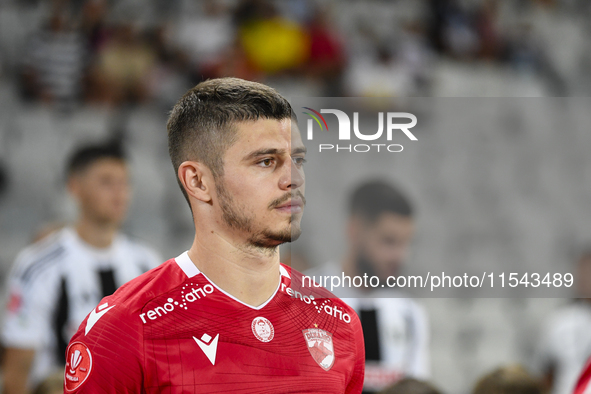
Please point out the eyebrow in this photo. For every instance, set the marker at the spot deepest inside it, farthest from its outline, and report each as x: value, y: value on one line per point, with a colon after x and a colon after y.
x: 263, y: 152
x: 300, y: 149
x: 272, y: 151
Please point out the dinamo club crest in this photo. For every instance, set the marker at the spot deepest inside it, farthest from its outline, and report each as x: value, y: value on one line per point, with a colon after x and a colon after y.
x: 320, y: 346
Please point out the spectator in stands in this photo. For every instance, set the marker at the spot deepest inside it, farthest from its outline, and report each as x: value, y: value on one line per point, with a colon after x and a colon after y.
x: 513, y: 379
x: 271, y: 43
x: 411, y: 386
x: 55, y: 282
x: 381, y: 75
x: 415, y: 57
x: 93, y: 24
x: 327, y: 56
x: 55, y: 63
x: 172, y: 72
x: 207, y: 37
x: 565, y: 343
x: 525, y: 49
x: 234, y: 63
x: 487, y: 30
x: 122, y: 68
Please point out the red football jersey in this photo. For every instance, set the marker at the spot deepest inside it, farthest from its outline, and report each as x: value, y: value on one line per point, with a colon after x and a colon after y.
x: 171, y: 330
x: 584, y: 384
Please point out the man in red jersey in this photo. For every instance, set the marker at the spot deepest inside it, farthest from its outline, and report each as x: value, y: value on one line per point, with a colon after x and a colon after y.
x: 584, y: 384
x: 225, y: 316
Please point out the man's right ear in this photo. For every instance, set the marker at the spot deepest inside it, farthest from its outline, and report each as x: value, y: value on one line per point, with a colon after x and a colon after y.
x: 197, y: 180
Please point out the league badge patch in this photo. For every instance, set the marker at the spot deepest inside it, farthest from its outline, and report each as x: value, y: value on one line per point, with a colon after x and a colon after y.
x: 78, y: 365
x: 320, y: 346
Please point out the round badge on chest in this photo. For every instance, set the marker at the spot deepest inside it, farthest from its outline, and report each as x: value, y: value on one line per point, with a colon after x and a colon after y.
x: 262, y: 329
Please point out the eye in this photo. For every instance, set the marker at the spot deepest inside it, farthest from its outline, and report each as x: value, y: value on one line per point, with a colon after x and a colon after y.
x: 299, y: 161
x: 266, y: 162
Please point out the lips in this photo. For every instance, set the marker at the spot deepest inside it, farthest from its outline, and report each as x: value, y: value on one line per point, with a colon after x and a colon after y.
x: 292, y: 206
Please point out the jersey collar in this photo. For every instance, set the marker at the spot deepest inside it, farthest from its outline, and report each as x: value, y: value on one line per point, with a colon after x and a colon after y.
x: 186, y: 265
x: 184, y: 262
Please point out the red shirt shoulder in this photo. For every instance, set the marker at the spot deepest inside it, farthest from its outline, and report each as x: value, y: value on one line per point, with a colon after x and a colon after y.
x: 106, y: 351
x: 584, y: 384
x: 134, y: 294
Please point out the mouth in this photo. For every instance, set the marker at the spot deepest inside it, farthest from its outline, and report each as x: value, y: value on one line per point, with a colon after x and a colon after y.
x: 292, y: 206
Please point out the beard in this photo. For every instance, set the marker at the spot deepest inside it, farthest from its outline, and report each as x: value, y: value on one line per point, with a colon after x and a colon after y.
x: 365, y: 265
x: 236, y: 217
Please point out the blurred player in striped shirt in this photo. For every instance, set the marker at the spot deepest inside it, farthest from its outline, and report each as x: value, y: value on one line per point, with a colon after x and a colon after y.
x: 55, y: 282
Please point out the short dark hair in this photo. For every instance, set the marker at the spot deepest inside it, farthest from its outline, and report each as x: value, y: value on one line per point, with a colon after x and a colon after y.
x: 84, y: 156
x: 411, y: 386
x: 370, y: 199
x: 200, y: 126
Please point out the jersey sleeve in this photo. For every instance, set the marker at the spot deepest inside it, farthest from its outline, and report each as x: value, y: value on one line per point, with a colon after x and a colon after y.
x: 104, y: 356
x: 32, y: 287
x: 355, y: 385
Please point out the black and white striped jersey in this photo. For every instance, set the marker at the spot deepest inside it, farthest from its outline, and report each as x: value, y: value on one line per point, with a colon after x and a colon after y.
x: 55, y: 283
x: 395, y: 330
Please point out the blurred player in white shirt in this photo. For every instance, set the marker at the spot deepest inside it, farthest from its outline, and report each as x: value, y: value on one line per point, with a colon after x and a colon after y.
x: 565, y: 344
x: 55, y: 282
x: 379, y: 233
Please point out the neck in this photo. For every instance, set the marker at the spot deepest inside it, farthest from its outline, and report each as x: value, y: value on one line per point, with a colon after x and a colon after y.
x: 95, y: 234
x: 249, y: 274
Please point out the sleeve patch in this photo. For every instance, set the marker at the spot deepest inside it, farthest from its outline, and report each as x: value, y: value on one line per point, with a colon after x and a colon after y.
x: 78, y: 365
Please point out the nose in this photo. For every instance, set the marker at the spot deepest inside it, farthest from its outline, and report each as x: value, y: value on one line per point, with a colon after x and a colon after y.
x: 292, y: 176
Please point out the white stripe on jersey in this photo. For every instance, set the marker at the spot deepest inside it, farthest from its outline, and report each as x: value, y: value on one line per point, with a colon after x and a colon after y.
x: 63, y: 263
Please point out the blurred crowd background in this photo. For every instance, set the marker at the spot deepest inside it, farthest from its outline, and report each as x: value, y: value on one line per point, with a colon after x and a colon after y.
x: 70, y: 53
x: 73, y: 71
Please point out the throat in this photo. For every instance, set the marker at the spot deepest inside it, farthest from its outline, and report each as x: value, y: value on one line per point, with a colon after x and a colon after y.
x: 100, y: 237
x: 250, y: 281
x: 255, y: 300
